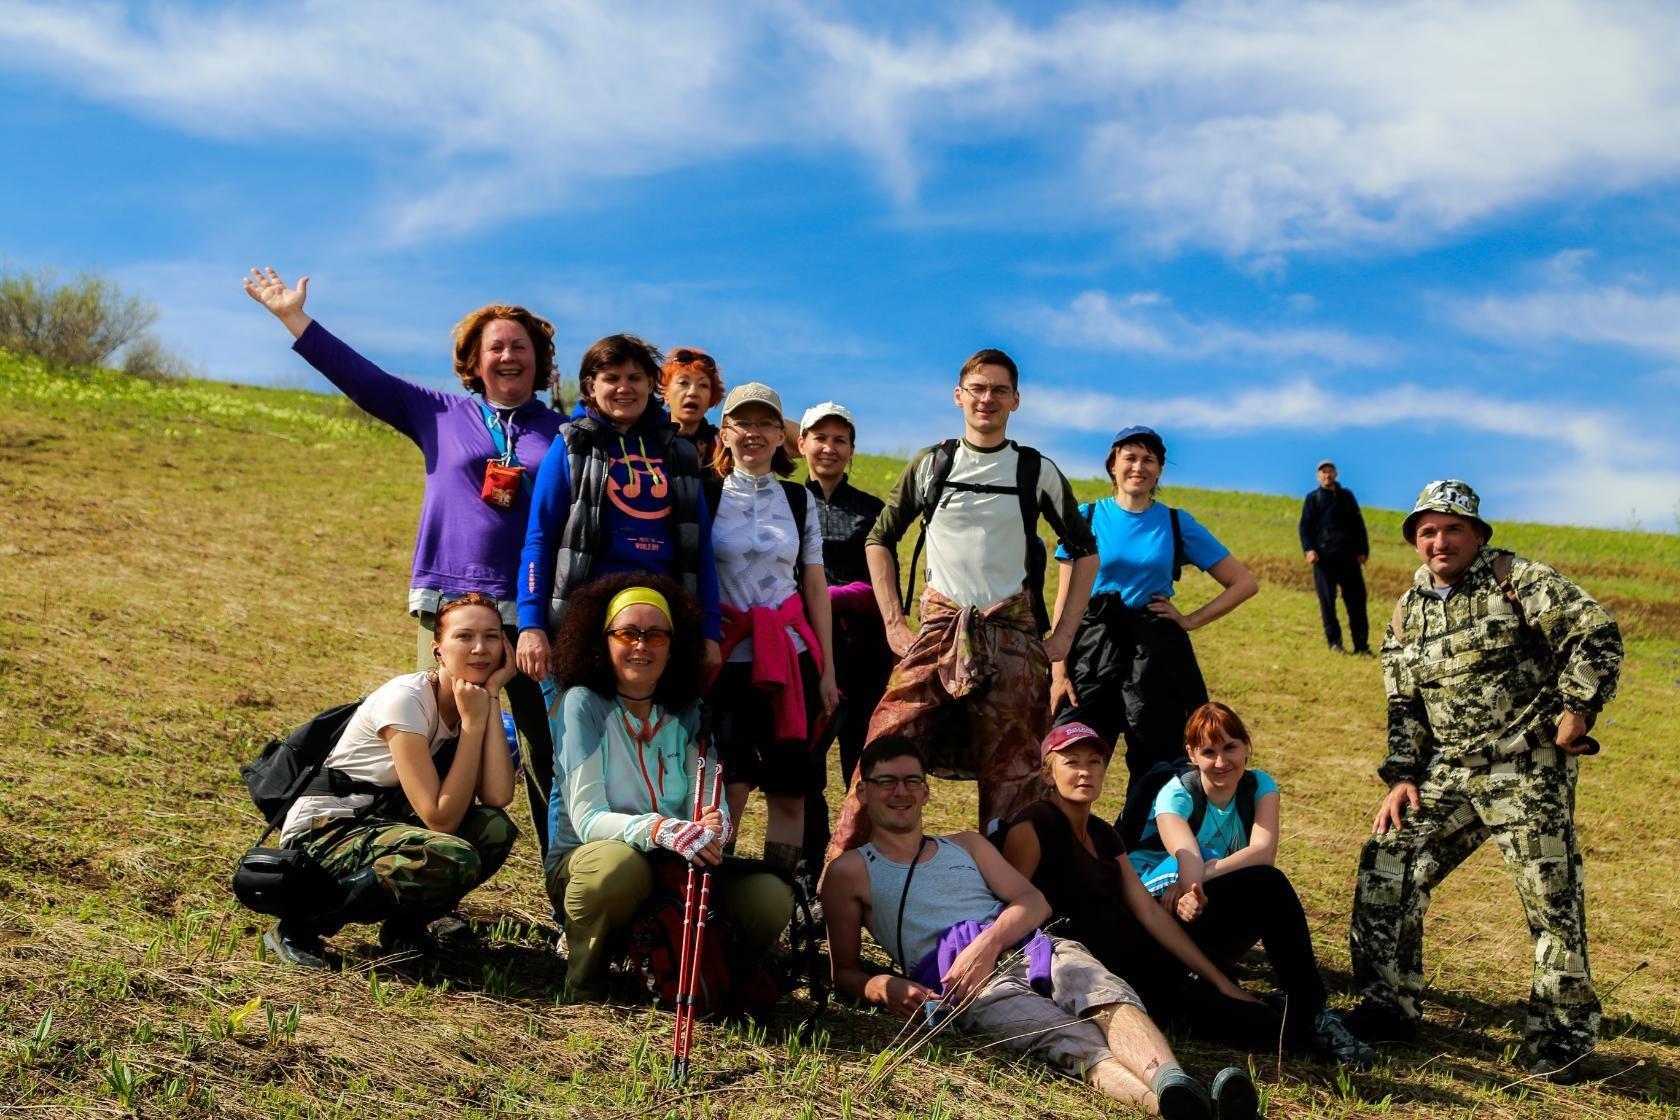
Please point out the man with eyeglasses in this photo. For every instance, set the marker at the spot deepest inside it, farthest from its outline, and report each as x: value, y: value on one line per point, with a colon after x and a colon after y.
x: 962, y: 928
x: 972, y: 686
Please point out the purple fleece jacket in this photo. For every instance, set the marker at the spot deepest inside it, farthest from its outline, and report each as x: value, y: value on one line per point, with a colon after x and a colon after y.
x: 464, y: 543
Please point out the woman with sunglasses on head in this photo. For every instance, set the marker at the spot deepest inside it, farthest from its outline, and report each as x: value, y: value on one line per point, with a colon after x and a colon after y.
x: 692, y: 386
x: 778, y: 677
x: 1132, y: 668
x: 621, y: 493
x: 419, y: 831
x: 481, y: 449
x: 627, y: 757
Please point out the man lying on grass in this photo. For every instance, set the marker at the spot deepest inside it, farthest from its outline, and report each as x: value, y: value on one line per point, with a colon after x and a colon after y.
x: 961, y: 925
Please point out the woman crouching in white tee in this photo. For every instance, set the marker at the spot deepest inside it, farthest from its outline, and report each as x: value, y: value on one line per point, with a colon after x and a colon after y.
x: 406, y: 857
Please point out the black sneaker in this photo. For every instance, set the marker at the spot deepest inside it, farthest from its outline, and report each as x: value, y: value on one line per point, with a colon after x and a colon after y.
x: 1333, y: 1039
x: 300, y: 947
x: 1178, y: 1096
x: 1363, y: 651
x: 1234, y: 1095
x: 1336, y: 647
x: 1375, y: 1024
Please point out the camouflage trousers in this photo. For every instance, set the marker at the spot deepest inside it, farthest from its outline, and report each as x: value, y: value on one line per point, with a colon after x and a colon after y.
x: 974, y: 693
x: 423, y: 872
x: 1527, y: 805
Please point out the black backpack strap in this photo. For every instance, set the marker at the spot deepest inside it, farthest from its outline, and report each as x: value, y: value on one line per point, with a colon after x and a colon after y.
x: 1179, y: 559
x: 799, y: 503
x: 1247, y: 787
x: 712, y: 485
x: 1191, y: 780
x: 1028, y: 466
x: 944, y: 457
x: 1088, y: 510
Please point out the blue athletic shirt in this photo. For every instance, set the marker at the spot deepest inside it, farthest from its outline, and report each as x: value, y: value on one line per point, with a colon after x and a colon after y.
x: 1136, y: 549
x: 1221, y: 832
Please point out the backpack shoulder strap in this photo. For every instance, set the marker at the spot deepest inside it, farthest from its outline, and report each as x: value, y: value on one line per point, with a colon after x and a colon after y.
x: 1191, y: 780
x: 944, y: 456
x: 1501, y: 566
x: 799, y: 502
x: 1028, y: 465
x: 1247, y: 787
x: 713, y: 487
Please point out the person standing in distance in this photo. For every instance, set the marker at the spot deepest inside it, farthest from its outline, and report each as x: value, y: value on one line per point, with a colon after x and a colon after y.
x: 1333, y: 538
x: 1495, y: 668
x: 972, y: 686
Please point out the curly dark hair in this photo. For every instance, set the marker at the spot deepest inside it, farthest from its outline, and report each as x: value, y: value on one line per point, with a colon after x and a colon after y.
x: 580, y: 647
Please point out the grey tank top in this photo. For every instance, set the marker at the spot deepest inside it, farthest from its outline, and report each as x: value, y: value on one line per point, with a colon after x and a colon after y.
x: 945, y: 890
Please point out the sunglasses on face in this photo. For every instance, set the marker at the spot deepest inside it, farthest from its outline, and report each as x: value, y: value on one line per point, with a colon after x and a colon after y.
x: 629, y: 636
x: 886, y: 783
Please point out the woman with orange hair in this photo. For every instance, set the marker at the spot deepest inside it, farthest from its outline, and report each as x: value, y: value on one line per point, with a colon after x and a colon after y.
x: 1209, y: 852
x: 691, y: 385
x: 481, y: 451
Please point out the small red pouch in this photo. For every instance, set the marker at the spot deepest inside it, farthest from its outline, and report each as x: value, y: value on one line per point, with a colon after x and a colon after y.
x: 501, y: 483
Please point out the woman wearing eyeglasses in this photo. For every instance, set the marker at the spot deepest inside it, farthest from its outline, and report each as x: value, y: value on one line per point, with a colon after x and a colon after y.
x: 623, y: 494
x: 626, y: 755
x: 778, y: 672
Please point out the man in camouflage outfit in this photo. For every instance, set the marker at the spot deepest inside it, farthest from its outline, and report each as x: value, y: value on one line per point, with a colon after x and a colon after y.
x: 1495, y: 668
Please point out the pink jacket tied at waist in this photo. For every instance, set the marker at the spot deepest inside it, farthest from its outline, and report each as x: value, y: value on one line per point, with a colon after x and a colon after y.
x: 967, y: 637
x: 775, y: 663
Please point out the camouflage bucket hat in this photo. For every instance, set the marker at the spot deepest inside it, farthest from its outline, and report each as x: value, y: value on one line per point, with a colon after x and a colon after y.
x: 1448, y: 495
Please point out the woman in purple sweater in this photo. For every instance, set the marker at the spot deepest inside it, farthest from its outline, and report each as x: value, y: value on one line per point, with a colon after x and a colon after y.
x: 481, y: 448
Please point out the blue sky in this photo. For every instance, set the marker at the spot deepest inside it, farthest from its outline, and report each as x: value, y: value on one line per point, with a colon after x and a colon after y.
x: 1425, y: 239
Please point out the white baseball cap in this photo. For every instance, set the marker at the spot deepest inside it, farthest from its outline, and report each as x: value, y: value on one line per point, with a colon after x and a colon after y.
x: 822, y: 411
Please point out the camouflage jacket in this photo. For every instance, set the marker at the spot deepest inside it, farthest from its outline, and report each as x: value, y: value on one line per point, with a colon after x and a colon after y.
x: 1476, y: 677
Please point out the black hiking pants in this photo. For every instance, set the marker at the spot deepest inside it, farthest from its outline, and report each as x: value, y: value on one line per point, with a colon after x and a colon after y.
x: 1330, y: 573
x: 1259, y: 904
x: 1135, y: 673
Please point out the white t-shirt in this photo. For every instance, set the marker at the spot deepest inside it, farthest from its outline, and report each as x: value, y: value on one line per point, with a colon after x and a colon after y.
x: 976, y: 548
x: 406, y: 703
x: 754, y: 542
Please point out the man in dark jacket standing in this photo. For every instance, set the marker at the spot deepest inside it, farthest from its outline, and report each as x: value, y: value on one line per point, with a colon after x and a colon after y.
x: 1333, y: 537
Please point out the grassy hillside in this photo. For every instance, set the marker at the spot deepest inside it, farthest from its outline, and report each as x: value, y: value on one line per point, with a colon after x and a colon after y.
x: 191, y: 568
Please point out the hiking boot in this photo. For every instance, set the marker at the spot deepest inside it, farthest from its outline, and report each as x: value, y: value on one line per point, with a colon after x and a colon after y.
x: 1179, y: 1096
x: 406, y: 935
x: 1375, y: 1024
x: 1337, y: 647
x: 295, y: 944
x: 1234, y: 1095
x: 1363, y: 651
x: 1333, y: 1040
x: 1560, y: 1070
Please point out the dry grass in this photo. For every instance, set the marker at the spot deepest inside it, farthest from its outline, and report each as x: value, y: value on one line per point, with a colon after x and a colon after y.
x: 189, y: 569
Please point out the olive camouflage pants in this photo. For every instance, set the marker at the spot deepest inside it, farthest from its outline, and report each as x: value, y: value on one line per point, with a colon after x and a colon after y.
x: 1527, y: 805
x: 426, y: 873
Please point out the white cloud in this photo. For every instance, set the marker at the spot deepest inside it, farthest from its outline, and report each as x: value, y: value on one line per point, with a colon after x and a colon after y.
x: 1144, y: 322
x: 1257, y: 130
x: 1617, y: 316
x: 1304, y: 406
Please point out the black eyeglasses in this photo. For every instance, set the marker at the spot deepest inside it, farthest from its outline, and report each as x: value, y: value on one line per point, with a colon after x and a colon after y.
x: 886, y: 783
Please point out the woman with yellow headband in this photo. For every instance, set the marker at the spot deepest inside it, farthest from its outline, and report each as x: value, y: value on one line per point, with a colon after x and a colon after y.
x: 626, y: 753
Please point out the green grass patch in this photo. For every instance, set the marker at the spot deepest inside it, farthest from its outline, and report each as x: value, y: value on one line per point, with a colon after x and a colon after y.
x: 190, y: 568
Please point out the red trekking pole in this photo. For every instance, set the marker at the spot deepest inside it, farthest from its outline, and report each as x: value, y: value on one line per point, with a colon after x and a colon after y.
x: 693, y: 935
